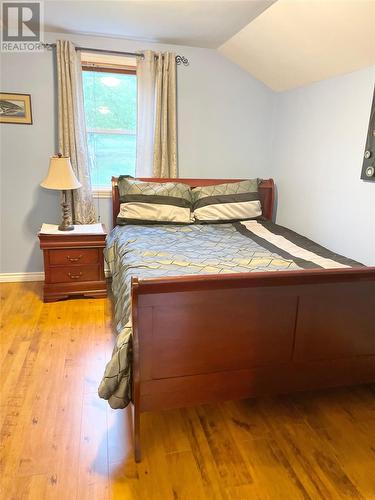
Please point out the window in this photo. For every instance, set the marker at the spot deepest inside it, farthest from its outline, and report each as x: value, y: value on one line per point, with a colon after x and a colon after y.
x: 110, y: 104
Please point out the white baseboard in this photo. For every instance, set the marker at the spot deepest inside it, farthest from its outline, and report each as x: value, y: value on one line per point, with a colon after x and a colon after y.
x: 15, y: 277
x: 34, y: 276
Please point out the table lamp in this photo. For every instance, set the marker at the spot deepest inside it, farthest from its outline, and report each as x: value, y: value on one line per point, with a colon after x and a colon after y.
x: 61, y: 176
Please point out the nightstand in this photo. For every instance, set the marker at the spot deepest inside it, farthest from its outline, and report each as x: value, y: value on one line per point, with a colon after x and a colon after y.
x: 73, y: 264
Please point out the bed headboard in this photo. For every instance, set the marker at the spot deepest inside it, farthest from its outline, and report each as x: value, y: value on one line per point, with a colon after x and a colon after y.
x: 266, y: 192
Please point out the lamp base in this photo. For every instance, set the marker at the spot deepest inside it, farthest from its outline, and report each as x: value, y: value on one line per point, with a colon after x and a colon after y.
x: 65, y: 228
x: 65, y: 224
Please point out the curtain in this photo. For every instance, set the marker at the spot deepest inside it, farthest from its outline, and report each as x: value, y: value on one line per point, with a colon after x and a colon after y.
x: 72, y: 139
x: 146, y: 77
x: 165, y: 136
x: 157, y: 127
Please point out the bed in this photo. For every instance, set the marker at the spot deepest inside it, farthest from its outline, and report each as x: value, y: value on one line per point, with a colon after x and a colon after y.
x: 207, y: 326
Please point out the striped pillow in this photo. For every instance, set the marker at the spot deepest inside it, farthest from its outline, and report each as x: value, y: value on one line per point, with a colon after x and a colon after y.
x: 153, y: 202
x: 227, y: 202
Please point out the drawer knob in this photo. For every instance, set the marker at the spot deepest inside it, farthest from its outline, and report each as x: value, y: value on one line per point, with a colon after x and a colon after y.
x: 74, y: 276
x: 74, y: 259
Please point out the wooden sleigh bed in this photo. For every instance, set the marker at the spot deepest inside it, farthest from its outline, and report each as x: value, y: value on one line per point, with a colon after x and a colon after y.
x: 288, y: 331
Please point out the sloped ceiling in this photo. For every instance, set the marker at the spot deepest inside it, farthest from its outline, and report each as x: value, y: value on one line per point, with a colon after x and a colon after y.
x: 200, y: 23
x: 296, y: 42
x: 283, y: 43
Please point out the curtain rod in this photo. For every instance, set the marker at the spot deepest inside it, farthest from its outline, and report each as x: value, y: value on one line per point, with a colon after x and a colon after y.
x: 179, y: 59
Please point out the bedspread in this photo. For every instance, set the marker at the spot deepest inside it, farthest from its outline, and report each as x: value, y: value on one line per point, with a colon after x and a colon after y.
x: 152, y: 251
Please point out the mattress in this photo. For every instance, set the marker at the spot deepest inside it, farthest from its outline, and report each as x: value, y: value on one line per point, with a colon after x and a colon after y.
x: 153, y: 251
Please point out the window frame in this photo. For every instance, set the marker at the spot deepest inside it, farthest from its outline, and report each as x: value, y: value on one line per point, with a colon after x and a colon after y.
x: 106, y: 191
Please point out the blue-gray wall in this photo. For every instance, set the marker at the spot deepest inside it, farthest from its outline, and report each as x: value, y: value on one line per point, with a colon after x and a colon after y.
x: 223, y: 129
x: 319, y: 138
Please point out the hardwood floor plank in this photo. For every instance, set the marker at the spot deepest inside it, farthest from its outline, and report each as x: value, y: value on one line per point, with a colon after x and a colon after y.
x: 266, y: 459
x: 37, y: 486
x: 355, y: 452
x: 203, y: 455
x: 171, y: 430
x: 153, y: 473
x: 120, y: 434
x: 315, y: 462
x: 184, y: 476
x: 39, y: 452
x: 245, y: 420
x: 93, y: 457
x: 228, y: 459
x: 125, y: 481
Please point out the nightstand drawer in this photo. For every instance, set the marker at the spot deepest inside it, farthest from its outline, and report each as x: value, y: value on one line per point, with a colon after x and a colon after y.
x: 74, y: 274
x: 66, y: 257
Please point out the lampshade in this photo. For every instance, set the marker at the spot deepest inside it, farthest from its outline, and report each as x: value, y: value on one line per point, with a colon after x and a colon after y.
x: 60, y: 174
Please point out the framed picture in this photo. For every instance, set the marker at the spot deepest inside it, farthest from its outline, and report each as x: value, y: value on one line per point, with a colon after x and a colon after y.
x: 15, y: 108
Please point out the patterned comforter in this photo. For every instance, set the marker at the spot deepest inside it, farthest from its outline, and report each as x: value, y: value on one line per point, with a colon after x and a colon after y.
x: 152, y: 251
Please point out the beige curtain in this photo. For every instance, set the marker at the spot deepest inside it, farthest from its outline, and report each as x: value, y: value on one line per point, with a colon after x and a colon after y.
x: 157, y: 128
x: 146, y: 77
x: 165, y: 136
x: 72, y: 139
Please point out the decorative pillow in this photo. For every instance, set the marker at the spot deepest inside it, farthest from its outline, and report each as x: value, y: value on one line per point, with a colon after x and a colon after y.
x: 227, y: 202
x: 153, y: 202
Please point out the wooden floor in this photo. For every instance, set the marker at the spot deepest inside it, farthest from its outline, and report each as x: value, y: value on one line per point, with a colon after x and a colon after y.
x: 59, y: 440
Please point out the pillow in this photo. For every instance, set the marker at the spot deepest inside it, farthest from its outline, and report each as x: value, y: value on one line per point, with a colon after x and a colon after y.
x: 227, y: 202
x: 153, y: 202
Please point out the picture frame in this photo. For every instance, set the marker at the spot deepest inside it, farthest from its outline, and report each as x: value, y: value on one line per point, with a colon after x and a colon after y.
x: 15, y: 108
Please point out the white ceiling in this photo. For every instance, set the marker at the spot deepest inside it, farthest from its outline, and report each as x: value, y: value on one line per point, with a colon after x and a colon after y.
x: 207, y: 23
x: 283, y: 43
x: 296, y: 42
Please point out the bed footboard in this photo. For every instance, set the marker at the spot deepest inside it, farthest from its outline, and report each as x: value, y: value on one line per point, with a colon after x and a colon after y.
x: 200, y: 339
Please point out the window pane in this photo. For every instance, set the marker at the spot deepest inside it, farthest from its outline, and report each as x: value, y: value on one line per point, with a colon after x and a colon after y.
x: 114, y: 155
x: 110, y: 102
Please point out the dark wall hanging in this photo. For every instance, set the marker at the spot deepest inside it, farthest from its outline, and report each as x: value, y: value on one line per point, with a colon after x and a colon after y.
x: 368, y: 166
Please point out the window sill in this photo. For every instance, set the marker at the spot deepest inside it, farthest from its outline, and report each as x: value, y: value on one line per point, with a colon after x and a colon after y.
x: 102, y: 193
